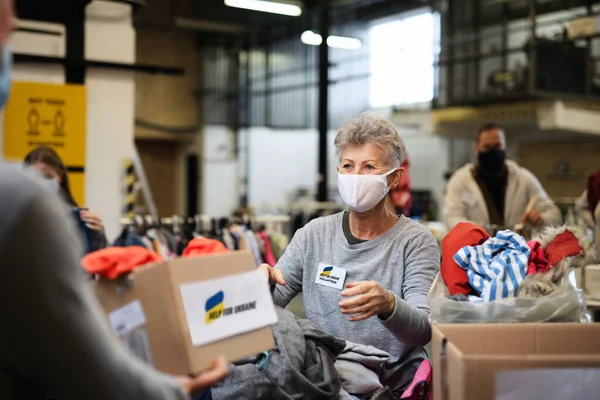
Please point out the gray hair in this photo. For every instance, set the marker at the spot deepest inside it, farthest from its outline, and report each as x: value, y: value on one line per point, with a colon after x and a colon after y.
x: 370, y: 128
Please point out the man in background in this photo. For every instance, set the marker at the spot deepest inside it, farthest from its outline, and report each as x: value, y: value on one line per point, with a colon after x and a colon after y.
x: 497, y: 191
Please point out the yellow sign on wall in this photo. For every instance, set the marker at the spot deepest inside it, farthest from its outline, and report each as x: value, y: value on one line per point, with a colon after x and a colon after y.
x: 40, y: 114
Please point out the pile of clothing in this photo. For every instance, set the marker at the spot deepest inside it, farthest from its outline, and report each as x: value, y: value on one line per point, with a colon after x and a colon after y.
x: 311, y: 364
x: 479, y: 268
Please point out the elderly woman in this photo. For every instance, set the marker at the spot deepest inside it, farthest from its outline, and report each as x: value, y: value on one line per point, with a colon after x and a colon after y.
x: 365, y: 274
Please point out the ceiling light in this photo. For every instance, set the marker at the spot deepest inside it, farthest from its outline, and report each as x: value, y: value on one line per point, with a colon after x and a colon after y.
x: 341, y: 42
x: 275, y: 7
x: 310, y: 38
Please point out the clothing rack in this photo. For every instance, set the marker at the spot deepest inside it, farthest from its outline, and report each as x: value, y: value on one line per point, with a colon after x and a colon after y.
x: 265, y: 236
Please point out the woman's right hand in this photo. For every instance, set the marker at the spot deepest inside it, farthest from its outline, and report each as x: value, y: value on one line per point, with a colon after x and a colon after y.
x: 204, y: 380
x: 274, y: 275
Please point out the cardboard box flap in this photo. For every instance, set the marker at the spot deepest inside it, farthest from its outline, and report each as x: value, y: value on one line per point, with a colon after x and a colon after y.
x: 211, y: 266
x: 551, y: 338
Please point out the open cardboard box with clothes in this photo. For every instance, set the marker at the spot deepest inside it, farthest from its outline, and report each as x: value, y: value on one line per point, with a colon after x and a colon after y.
x: 471, y: 361
x: 179, y: 315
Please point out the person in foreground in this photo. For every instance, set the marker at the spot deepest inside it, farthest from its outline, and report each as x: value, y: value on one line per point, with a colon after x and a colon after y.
x: 47, y: 163
x: 365, y: 274
x: 54, y: 337
x: 497, y: 191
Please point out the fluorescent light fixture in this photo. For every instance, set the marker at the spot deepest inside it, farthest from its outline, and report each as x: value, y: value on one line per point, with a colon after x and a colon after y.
x: 341, y: 42
x: 290, y: 8
x: 310, y: 38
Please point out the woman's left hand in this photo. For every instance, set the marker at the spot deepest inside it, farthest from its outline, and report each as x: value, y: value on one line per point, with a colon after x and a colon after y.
x: 368, y: 299
x: 92, y: 220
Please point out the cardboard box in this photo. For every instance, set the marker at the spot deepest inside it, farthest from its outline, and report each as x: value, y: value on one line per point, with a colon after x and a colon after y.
x: 151, y: 301
x: 468, y: 359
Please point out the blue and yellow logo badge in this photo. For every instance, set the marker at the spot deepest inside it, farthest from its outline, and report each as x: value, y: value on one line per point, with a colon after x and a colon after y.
x: 214, y: 307
x: 327, y: 271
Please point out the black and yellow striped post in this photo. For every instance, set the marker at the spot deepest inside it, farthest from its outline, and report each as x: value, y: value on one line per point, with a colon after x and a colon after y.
x: 129, y: 181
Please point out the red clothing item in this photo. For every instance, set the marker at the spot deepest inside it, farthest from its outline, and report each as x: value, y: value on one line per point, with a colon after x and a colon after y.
x: 463, y: 234
x: 401, y: 195
x: 269, y: 256
x: 593, y: 191
x: 563, y: 245
x: 538, y: 263
x: 203, y: 246
x: 113, y: 262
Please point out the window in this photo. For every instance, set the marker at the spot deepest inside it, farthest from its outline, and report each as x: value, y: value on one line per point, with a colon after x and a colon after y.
x: 402, y: 54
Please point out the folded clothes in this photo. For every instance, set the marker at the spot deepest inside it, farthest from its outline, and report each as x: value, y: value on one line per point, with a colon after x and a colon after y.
x: 463, y: 234
x: 497, y: 267
x: 204, y: 246
x: 300, y: 367
x: 359, y: 366
x: 113, y: 262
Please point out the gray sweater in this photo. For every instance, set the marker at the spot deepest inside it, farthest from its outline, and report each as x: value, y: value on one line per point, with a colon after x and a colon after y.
x: 54, y: 337
x: 404, y: 260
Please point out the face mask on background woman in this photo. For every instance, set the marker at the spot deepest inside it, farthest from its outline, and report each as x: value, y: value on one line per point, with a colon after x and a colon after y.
x: 363, y: 192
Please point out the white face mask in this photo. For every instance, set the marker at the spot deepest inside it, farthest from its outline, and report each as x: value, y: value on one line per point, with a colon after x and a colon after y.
x: 363, y: 192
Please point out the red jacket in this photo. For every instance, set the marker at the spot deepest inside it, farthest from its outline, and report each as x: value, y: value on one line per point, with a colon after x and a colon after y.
x: 593, y: 191
x: 463, y: 234
x: 401, y: 196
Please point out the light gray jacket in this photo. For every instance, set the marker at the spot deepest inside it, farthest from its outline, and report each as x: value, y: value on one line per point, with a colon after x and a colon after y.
x: 465, y: 202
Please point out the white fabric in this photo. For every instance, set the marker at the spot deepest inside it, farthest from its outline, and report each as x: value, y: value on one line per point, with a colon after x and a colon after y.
x: 465, y: 202
x: 363, y: 192
x: 497, y: 267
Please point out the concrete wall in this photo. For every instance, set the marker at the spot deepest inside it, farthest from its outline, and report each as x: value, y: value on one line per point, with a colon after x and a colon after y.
x: 168, y: 102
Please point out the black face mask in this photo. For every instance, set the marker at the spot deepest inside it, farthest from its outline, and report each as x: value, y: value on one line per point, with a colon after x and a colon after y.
x: 492, y: 162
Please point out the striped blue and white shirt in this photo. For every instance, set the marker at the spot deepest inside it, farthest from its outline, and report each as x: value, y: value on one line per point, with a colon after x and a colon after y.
x: 497, y: 267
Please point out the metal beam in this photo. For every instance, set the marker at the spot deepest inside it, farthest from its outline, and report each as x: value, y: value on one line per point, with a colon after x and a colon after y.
x: 149, y: 69
x: 322, y: 185
x: 75, y: 44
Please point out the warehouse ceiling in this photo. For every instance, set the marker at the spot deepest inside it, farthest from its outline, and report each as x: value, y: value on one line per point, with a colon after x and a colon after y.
x: 213, y: 15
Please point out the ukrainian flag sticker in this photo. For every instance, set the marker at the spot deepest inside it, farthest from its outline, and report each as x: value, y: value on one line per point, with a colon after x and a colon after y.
x: 214, y: 307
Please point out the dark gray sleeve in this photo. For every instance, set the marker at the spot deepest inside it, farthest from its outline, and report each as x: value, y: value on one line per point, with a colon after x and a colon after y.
x: 410, y: 320
x: 54, y: 333
x: 291, y: 264
x: 99, y: 240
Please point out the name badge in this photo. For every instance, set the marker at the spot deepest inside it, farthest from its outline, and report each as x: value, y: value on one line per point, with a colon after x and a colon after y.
x: 328, y: 275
